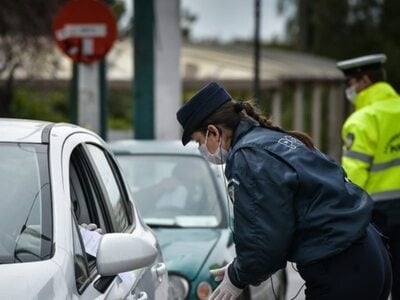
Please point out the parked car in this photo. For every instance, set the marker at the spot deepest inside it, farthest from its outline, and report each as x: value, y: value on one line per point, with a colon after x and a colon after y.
x: 54, y: 179
x: 183, y: 198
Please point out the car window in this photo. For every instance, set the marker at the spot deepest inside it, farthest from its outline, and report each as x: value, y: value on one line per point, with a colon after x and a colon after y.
x: 173, y: 190
x: 81, y: 266
x: 112, y: 186
x: 88, y: 207
x: 25, y: 206
x: 85, y: 196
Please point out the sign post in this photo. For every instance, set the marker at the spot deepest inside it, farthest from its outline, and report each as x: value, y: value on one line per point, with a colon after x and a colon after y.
x: 85, y: 30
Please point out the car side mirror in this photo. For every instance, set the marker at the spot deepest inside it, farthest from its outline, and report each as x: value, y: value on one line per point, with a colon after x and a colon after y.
x: 122, y: 252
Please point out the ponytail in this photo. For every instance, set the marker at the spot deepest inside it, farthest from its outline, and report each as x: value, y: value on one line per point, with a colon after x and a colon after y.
x: 252, y: 111
x: 232, y: 112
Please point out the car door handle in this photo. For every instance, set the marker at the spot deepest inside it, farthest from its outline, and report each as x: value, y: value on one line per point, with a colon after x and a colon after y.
x: 142, y: 296
x: 159, y: 270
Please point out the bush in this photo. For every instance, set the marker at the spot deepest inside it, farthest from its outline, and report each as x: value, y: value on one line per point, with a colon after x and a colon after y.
x: 40, y: 105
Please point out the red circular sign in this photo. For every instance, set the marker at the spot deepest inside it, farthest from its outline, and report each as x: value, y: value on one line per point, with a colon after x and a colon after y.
x: 85, y: 30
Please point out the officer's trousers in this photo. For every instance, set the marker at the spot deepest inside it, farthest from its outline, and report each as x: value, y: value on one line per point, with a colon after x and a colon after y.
x: 360, y: 272
x: 386, y: 216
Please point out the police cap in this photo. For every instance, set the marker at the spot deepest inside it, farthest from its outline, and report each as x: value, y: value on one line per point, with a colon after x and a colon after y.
x: 353, y: 67
x: 199, y: 107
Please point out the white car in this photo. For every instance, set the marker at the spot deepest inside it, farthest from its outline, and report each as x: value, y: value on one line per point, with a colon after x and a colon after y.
x: 54, y: 179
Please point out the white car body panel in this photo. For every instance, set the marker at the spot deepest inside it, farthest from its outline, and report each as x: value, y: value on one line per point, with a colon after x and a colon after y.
x: 55, y: 278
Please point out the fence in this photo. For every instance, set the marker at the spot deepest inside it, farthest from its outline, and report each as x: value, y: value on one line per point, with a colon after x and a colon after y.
x: 317, y: 108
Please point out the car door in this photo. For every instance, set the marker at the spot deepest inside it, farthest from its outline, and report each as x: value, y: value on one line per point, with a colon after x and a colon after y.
x: 99, y: 196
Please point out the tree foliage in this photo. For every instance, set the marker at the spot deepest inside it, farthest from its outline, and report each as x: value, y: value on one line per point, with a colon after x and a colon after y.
x: 342, y: 29
x: 26, y: 43
x: 25, y: 31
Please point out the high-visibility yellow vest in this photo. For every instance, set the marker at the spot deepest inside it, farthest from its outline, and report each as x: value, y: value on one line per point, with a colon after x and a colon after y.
x: 371, y: 152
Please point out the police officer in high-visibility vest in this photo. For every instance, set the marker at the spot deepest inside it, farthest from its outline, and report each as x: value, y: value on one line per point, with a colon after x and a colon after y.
x: 371, y: 154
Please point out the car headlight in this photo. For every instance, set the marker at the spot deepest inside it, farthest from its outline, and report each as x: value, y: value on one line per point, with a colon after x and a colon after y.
x: 204, y: 290
x: 178, y: 287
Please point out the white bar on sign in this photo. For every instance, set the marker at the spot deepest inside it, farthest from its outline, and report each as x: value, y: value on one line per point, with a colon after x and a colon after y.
x: 87, y: 47
x: 92, y: 30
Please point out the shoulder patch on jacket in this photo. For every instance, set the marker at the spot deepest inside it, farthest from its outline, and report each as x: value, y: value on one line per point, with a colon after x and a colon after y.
x: 289, y: 142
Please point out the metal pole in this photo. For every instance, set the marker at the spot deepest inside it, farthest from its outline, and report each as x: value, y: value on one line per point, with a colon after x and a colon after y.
x: 257, y: 89
x: 73, y: 95
x: 89, y: 96
x: 143, y: 69
x: 103, y: 98
x: 103, y: 91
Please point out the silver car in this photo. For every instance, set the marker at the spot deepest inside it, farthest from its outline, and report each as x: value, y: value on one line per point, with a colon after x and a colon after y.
x: 69, y: 227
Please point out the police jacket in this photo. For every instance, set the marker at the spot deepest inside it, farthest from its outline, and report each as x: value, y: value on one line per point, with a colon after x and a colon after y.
x: 290, y: 203
x: 371, y: 154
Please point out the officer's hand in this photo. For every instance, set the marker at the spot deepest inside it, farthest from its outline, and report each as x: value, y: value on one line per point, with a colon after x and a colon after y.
x: 225, y: 290
x: 219, y: 273
x: 92, y: 227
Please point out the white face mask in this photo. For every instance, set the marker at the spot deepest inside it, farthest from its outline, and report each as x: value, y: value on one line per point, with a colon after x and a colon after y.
x: 351, y: 93
x: 218, y: 158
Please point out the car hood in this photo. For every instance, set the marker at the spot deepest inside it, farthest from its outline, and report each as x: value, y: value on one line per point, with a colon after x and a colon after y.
x: 29, y: 280
x: 186, y: 250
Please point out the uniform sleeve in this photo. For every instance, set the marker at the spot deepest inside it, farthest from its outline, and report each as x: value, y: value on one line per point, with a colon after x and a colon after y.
x: 359, y: 136
x: 264, y: 221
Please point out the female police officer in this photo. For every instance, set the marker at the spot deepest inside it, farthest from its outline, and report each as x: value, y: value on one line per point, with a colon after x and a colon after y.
x: 291, y: 203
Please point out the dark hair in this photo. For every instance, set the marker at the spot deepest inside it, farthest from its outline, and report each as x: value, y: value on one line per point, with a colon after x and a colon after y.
x: 232, y: 112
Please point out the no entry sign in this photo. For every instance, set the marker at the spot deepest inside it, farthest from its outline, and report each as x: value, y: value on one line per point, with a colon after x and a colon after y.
x: 85, y: 30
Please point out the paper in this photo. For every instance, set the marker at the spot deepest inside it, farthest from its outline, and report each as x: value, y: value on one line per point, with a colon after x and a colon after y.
x: 91, y: 240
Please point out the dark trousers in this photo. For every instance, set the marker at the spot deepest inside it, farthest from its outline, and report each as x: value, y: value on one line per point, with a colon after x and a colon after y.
x: 393, y: 234
x: 385, y: 222
x: 361, y: 272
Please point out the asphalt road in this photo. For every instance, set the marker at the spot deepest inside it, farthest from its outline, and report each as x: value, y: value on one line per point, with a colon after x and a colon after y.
x: 294, y: 284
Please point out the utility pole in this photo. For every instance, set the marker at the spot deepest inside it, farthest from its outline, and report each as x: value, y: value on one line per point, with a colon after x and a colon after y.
x: 143, y: 37
x: 257, y: 12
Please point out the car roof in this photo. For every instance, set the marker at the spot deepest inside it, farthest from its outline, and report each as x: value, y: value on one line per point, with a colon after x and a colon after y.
x: 23, y: 131
x: 34, y: 131
x: 154, y: 147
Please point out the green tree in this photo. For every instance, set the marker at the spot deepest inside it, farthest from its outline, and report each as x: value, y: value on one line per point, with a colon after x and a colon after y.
x: 25, y: 30
x: 26, y: 43
x: 342, y: 29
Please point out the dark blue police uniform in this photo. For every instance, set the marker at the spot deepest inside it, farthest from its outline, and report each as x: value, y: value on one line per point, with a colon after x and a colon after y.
x: 295, y: 204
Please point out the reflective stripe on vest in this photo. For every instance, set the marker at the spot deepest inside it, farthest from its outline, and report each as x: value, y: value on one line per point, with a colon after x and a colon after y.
x: 386, y: 165
x: 390, y: 195
x: 368, y: 159
x: 358, y: 155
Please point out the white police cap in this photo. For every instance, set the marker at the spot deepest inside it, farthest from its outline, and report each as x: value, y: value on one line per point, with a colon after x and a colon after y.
x: 362, y: 62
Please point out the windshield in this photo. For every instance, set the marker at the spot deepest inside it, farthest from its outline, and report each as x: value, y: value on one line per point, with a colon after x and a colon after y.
x: 25, y: 207
x: 173, y: 190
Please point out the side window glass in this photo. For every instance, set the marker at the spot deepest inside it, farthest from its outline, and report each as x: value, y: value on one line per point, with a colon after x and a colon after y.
x: 26, y: 232
x: 114, y: 196
x: 85, y: 201
x: 80, y: 262
x: 87, y: 209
